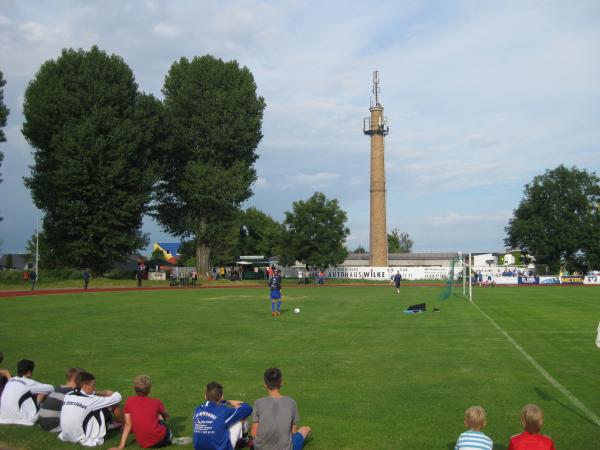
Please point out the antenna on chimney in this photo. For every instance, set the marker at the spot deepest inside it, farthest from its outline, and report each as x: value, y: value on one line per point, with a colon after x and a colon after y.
x: 376, y: 86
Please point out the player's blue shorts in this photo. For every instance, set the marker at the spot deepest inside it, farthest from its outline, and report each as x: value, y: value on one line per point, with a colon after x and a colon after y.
x: 297, y: 441
x: 275, y: 294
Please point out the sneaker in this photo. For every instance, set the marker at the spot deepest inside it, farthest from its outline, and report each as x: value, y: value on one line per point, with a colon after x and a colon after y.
x: 182, y: 440
x: 274, y: 314
x: 278, y: 313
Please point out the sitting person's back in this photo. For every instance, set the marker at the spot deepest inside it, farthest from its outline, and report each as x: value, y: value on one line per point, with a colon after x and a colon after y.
x: 275, y: 418
x: 145, y: 417
x: 474, y: 438
x: 85, y: 417
x: 49, y: 417
x: 532, y: 419
x: 21, y: 396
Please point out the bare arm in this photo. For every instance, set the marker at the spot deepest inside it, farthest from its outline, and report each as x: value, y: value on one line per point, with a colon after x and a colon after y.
x: 5, y: 373
x: 125, y: 435
x: 254, y: 429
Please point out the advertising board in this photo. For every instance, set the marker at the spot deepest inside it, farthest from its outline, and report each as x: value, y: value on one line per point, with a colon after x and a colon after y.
x: 506, y: 280
x: 571, y: 279
x: 591, y: 279
x: 386, y: 273
x: 529, y: 280
x: 549, y: 280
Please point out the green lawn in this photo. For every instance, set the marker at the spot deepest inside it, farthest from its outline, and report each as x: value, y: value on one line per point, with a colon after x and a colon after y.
x: 365, y: 375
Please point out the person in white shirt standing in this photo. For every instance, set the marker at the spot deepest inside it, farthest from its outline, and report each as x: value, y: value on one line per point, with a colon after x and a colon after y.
x: 21, y: 397
x: 86, y: 417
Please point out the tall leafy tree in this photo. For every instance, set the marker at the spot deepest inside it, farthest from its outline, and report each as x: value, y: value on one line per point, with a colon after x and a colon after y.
x: 3, y: 115
x: 557, y: 221
x: 259, y: 233
x: 314, y: 233
x: 360, y: 249
x: 95, y: 140
x: 399, y: 242
x: 215, y: 118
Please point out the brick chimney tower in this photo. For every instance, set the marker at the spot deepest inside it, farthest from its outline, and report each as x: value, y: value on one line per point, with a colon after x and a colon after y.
x: 376, y: 127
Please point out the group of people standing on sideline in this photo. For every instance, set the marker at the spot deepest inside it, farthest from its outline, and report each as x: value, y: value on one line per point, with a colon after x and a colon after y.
x: 80, y: 414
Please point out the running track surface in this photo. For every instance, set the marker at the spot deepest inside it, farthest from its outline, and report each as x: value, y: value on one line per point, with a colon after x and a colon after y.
x: 28, y: 293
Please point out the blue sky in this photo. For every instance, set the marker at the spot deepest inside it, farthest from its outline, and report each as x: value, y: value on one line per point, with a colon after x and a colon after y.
x: 480, y: 97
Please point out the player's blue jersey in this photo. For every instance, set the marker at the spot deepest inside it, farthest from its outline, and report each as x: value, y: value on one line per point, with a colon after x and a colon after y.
x: 212, y: 422
x: 397, y: 278
x: 275, y: 283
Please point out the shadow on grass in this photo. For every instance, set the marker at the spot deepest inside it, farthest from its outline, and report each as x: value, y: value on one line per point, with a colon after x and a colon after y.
x: 451, y: 446
x: 545, y: 396
x: 176, y: 424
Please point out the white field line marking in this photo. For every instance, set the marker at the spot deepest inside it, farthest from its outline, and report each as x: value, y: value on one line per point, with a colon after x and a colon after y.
x: 574, y: 400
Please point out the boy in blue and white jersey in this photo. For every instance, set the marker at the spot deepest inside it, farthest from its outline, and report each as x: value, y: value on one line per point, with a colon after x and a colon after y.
x: 275, y: 291
x: 474, y: 439
x: 216, y: 426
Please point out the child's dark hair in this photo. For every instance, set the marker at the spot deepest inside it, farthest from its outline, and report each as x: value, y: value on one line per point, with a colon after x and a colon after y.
x: 272, y: 378
x: 84, y: 378
x: 214, y: 391
x: 24, y: 366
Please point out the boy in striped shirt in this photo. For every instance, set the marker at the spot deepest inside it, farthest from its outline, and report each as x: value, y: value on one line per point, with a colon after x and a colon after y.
x: 474, y: 438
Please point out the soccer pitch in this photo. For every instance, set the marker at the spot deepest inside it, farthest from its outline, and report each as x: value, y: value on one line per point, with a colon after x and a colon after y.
x: 365, y: 375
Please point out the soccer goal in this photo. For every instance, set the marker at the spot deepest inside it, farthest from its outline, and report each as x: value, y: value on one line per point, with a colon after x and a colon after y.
x: 456, y: 283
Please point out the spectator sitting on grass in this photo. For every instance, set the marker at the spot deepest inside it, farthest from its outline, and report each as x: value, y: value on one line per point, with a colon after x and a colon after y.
x: 49, y: 417
x: 532, y: 419
x: 275, y: 418
x: 217, y: 427
x: 86, y: 417
x: 474, y: 438
x: 22, y: 395
x: 4, y: 375
x: 146, y: 416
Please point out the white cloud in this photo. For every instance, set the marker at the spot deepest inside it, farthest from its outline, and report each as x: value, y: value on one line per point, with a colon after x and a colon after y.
x: 168, y: 30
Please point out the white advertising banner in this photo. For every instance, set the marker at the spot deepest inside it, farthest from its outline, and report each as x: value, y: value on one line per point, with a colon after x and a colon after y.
x: 506, y: 280
x: 550, y: 280
x: 591, y: 279
x: 386, y: 273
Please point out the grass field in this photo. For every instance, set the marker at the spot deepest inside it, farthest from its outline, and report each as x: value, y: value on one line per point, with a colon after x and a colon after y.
x: 365, y: 375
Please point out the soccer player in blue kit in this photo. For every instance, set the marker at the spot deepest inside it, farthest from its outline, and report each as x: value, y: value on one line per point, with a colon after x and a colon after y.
x: 396, y: 279
x: 275, y: 291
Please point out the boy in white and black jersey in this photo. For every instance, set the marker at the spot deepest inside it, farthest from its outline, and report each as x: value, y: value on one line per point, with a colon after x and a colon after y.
x: 86, y: 417
x: 22, y: 395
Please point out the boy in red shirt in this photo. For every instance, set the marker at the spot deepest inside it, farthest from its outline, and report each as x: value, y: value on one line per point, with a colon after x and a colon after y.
x: 145, y: 416
x: 532, y: 419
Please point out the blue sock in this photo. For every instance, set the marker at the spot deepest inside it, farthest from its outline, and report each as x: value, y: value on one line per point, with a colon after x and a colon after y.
x: 272, y: 306
x: 279, y: 306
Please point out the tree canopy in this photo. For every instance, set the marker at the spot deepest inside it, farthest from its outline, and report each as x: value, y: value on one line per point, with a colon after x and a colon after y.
x: 558, y: 222
x: 399, y: 242
x: 314, y: 233
x: 3, y: 116
x: 259, y: 233
x: 215, y: 120
x: 95, y: 140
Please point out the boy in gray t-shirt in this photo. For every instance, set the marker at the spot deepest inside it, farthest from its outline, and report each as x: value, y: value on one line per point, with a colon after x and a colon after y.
x: 275, y: 418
